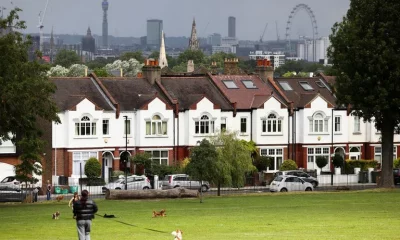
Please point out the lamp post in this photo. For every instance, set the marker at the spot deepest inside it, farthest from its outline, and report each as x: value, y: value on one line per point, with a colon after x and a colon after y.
x: 126, y: 152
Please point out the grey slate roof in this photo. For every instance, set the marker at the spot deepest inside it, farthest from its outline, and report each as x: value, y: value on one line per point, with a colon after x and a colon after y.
x: 71, y: 91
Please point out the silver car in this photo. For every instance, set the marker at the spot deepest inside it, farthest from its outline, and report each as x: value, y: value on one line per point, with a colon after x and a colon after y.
x: 183, y: 180
x: 288, y: 183
x: 10, y: 184
x: 298, y: 173
x: 134, y: 182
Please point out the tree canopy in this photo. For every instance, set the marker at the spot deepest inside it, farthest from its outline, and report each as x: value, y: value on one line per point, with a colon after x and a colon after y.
x: 365, y: 52
x: 66, y: 58
x: 25, y: 96
x: 136, y: 55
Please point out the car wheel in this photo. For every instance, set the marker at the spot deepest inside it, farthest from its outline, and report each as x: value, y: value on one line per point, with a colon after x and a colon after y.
x: 176, y: 186
x: 117, y: 188
x: 204, y: 188
x: 283, y: 190
x: 308, y: 189
x: 146, y: 188
x: 314, y: 184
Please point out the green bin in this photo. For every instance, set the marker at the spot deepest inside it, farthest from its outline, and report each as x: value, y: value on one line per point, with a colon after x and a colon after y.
x: 57, y: 190
x: 73, y: 189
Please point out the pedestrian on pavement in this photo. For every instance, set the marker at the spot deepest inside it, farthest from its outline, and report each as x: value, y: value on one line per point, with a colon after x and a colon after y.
x: 35, y: 194
x: 84, y: 211
x: 48, y: 192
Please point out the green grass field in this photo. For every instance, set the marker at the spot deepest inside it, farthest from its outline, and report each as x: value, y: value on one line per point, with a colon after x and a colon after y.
x: 370, y: 214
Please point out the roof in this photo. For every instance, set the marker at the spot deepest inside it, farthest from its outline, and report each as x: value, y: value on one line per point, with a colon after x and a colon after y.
x: 191, y: 89
x: 71, y: 91
x: 331, y: 80
x: 245, y: 97
x: 132, y: 93
x: 300, y: 96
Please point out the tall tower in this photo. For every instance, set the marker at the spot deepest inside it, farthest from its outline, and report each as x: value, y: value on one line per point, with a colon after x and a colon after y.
x: 162, y: 61
x: 232, y: 27
x: 193, y: 42
x: 154, y: 29
x: 104, y: 4
x: 51, y: 45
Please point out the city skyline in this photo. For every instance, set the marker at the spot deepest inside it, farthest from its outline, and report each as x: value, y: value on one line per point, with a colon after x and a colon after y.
x: 125, y: 19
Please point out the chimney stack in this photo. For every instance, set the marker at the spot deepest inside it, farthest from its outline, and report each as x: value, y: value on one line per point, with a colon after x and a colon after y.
x: 231, y: 66
x: 151, y: 71
x: 190, y: 66
x: 264, y: 69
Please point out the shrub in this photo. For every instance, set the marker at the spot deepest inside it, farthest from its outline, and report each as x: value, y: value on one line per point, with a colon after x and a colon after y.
x: 92, y: 168
x: 321, y: 161
x: 288, y: 165
x: 396, y: 163
x: 337, y: 160
x: 262, y: 163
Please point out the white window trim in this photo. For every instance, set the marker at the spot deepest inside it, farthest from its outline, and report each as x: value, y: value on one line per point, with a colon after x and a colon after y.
x: 265, y: 118
x: 106, y: 135
x: 359, y: 125
x: 210, y: 119
x: 130, y: 128
x: 162, y: 120
x: 340, y: 124
x: 325, y: 119
x: 247, y: 127
x: 92, y: 120
x: 274, y: 156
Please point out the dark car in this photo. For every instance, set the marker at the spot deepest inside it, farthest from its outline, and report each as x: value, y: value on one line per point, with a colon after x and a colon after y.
x: 396, y: 175
x: 298, y: 173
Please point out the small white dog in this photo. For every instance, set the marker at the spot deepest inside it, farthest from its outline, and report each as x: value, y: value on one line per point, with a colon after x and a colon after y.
x: 177, y: 234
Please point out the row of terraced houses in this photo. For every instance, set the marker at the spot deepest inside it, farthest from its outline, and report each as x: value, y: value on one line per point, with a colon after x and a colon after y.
x: 166, y: 114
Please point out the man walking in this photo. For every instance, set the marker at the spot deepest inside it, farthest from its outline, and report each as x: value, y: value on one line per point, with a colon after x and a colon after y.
x: 48, y: 192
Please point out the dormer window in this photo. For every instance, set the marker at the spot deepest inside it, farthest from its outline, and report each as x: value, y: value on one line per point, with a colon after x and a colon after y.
x: 286, y: 86
x: 85, y: 127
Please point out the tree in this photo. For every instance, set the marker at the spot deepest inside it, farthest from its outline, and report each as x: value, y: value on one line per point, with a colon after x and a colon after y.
x: 155, y: 55
x: 197, y: 56
x: 136, y: 55
x: 365, y: 52
x: 66, y: 58
x: 321, y: 161
x: 99, y: 63
x: 129, y: 68
x: 234, y: 160
x: 25, y: 96
x: 288, y: 164
x: 142, y: 160
x: 203, y: 163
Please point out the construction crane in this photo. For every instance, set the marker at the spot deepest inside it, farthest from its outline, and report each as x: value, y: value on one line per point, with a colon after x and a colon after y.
x: 262, y: 36
x: 40, y: 26
x: 277, y: 31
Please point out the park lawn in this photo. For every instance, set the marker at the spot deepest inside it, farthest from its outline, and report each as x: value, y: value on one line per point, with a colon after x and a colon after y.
x: 368, y: 214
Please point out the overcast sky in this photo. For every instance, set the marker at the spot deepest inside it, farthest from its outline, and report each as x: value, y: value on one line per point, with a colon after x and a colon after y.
x: 128, y: 17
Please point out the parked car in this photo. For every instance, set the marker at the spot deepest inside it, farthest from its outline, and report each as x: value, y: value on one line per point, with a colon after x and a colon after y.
x: 183, y: 180
x: 288, y: 183
x: 133, y: 182
x: 303, y: 175
x: 396, y: 176
x: 10, y: 183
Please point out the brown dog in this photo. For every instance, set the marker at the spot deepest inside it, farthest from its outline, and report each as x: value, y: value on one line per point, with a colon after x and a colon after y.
x: 59, y: 198
x: 56, y: 215
x: 160, y: 213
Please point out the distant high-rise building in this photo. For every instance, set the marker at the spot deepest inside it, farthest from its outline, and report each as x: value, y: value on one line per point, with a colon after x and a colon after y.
x: 214, y: 39
x: 104, y: 4
x: 154, y: 29
x: 193, y: 41
x: 232, y: 27
x: 88, y: 43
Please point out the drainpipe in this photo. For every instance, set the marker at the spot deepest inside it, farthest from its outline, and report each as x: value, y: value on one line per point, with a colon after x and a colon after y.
x: 55, y: 153
x: 251, y: 125
x: 288, y: 138
x: 294, y: 135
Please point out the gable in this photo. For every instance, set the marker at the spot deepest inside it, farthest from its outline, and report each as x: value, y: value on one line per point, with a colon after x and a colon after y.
x: 86, y: 106
x: 273, y: 103
x: 204, y: 103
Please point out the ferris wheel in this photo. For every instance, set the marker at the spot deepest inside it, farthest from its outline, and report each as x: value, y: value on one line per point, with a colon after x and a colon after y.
x: 314, y: 26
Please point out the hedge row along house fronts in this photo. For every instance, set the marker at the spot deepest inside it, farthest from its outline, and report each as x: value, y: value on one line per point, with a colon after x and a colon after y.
x: 166, y: 114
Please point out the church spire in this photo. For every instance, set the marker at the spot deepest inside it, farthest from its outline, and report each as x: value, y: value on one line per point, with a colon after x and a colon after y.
x: 162, y: 61
x: 193, y: 42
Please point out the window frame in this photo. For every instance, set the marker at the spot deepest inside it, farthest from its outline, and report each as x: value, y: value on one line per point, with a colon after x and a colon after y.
x: 156, y: 127
x: 319, y: 125
x: 160, y: 156
x: 276, y: 154
x: 79, y: 158
x: 227, y: 82
x: 338, y: 124
x: 357, y: 125
x: 205, y: 125
x: 243, y: 124
x: 106, y: 126
x: 87, y: 125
